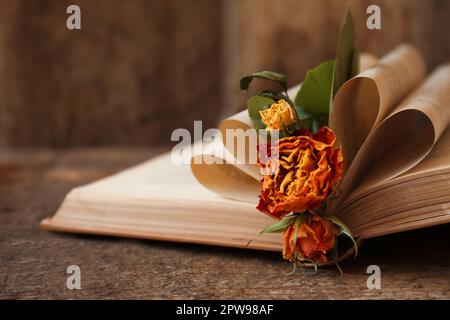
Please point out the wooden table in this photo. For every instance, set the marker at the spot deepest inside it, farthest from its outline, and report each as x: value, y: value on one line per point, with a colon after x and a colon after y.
x: 33, y: 262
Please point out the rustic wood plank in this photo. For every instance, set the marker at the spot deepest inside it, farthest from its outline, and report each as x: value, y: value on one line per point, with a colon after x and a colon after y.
x: 138, y: 70
x: 133, y: 73
x: 415, y: 265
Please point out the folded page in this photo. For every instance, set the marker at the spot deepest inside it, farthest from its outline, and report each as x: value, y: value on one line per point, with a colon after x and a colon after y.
x: 402, y: 139
x: 364, y: 101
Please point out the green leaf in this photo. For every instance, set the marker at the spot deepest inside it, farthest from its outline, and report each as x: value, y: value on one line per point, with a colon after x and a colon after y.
x: 314, y: 95
x: 347, y: 59
x: 344, y: 230
x: 317, y: 123
x: 303, y: 123
x: 267, y: 75
x: 277, y: 227
x: 305, y: 119
x: 256, y: 104
x: 302, y: 114
x: 275, y: 96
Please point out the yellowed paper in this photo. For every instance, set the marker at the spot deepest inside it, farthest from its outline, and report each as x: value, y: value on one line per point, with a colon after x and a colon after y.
x: 401, y: 140
x: 362, y: 102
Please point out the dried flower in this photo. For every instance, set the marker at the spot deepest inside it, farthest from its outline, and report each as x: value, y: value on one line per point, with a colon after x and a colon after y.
x: 307, y: 167
x: 310, y: 239
x: 278, y: 116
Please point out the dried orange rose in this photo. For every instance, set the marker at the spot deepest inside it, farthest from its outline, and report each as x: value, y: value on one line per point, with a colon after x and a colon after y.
x: 306, y: 169
x: 278, y: 116
x: 312, y: 239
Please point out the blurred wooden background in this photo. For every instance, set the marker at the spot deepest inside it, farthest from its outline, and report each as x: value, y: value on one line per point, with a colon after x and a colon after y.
x: 139, y: 69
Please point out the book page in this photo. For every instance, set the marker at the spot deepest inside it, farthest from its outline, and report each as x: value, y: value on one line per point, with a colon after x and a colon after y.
x: 401, y: 140
x: 402, y: 198
x: 439, y: 157
x: 364, y: 101
x: 161, y: 200
x: 217, y: 170
x: 435, y: 164
x: 425, y: 217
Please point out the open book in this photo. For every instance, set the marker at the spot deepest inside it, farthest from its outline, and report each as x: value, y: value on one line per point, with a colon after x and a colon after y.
x: 392, y: 122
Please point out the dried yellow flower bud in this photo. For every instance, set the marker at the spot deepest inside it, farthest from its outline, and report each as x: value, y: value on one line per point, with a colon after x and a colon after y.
x: 278, y: 116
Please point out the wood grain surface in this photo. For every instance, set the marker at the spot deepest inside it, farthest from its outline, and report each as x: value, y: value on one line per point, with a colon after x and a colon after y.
x: 134, y: 72
x: 139, y: 69
x: 33, y: 262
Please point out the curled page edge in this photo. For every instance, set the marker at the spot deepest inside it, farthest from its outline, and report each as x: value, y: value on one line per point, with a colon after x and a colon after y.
x: 365, y: 100
x: 400, y: 141
x: 215, y: 168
